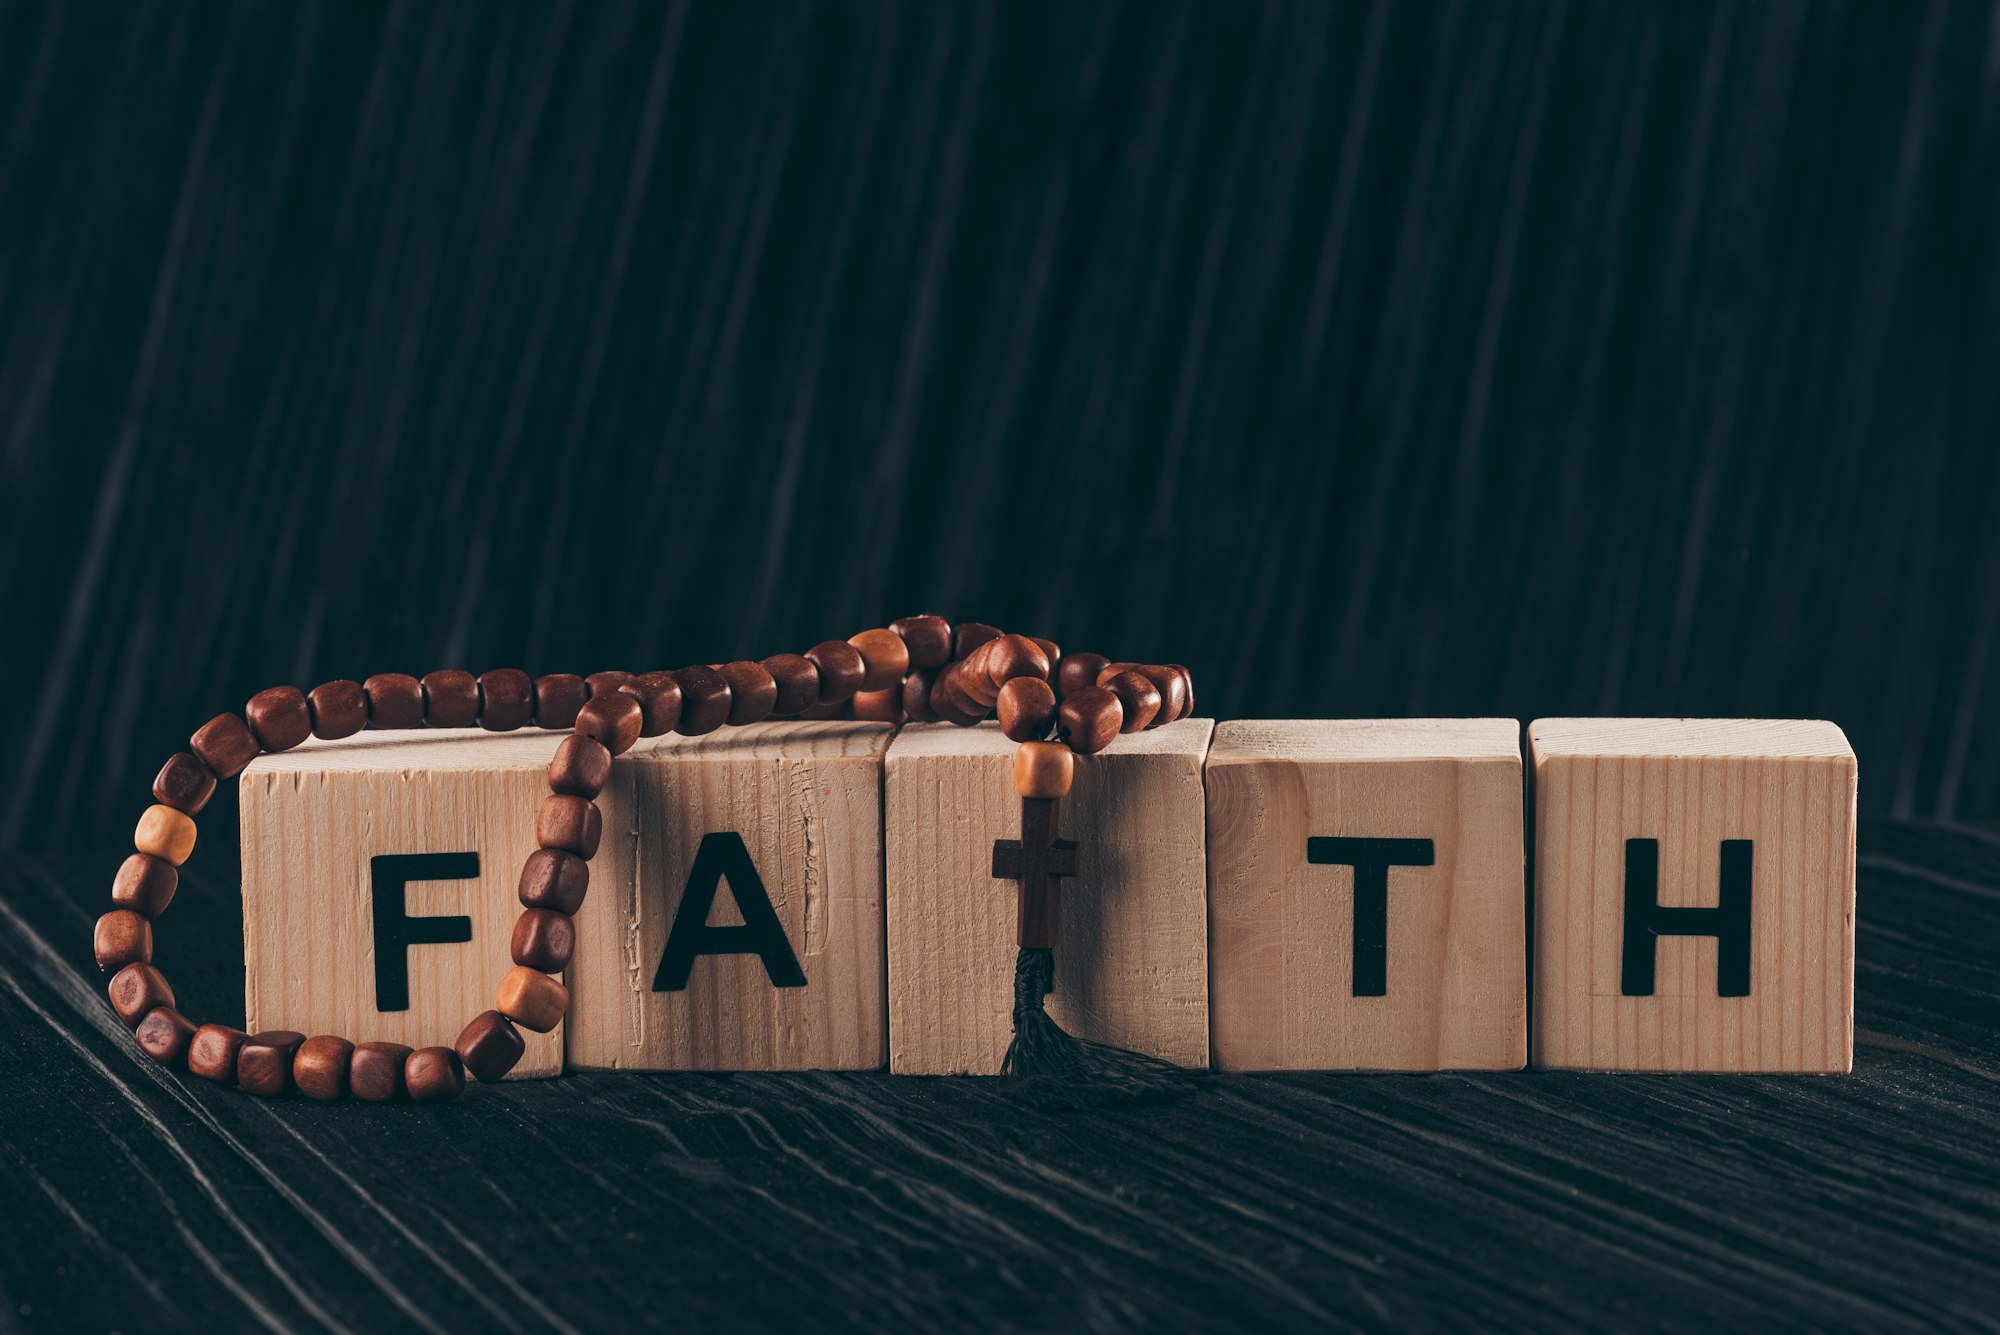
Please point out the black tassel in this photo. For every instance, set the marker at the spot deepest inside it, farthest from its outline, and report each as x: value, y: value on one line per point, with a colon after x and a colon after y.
x: 1057, y: 1070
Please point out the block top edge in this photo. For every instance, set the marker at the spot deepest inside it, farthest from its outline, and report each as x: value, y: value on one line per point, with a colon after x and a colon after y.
x: 1248, y: 741
x: 1669, y: 737
x: 531, y: 749
x: 1189, y: 737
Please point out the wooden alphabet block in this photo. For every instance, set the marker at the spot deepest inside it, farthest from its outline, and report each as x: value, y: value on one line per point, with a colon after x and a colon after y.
x: 1694, y: 895
x: 1366, y: 898
x: 748, y: 936
x: 379, y: 883
x: 1131, y: 947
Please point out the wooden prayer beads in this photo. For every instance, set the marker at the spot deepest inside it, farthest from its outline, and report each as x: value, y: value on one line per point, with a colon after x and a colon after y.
x: 920, y: 668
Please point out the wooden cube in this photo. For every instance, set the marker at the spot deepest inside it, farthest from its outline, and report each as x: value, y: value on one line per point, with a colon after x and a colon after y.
x: 1694, y: 895
x: 749, y: 935
x: 1131, y: 947
x: 1366, y: 897
x: 379, y: 883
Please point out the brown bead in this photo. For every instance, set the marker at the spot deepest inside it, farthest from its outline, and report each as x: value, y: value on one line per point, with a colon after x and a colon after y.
x: 970, y: 635
x: 184, y: 783
x: 1043, y: 769
x: 659, y: 697
x: 336, y: 709
x: 1187, y: 688
x: 612, y: 718
x: 164, y: 1035
x: 375, y: 1071
x: 841, y: 670
x: 884, y: 658
x: 572, y: 824
x: 225, y: 744
x: 928, y: 639
x: 145, y: 884
x: 1090, y: 720
x: 320, y: 1069
x: 1050, y: 650
x: 506, y: 699
x: 797, y: 681
x: 704, y: 701
x: 967, y: 681
x: 531, y: 999
x: 489, y: 1046
x: 136, y: 989
x: 451, y: 698
x: 884, y: 706
x: 395, y: 701
x: 122, y: 937
x: 603, y: 683
x: 581, y: 767
x: 831, y: 709
x: 1012, y: 656
x: 1138, y: 696
x: 1110, y: 670
x: 433, y: 1075
x: 557, y: 698
x: 543, y: 939
x: 1174, y: 701
x: 1078, y: 672
x: 951, y: 704
x: 553, y: 879
x: 212, y: 1053
x: 1027, y: 707
x: 165, y: 833
x: 917, y: 697
x: 753, y: 692
x: 279, y: 717
x: 264, y: 1062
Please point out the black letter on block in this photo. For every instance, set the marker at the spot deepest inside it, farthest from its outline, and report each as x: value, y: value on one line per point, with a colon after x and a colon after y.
x: 1646, y: 921
x: 722, y: 855
x: 396, y: 931
x: 1371, y: 860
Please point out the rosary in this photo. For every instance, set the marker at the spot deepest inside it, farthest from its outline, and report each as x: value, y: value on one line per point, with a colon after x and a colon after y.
x: 1055, y: 705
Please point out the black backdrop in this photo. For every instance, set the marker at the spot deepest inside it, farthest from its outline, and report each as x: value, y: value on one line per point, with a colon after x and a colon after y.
x: 1370, y: 359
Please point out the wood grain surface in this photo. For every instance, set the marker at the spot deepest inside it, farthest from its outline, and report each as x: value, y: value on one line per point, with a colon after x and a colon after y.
x: 1371, y: 358
x: 830, y: 1202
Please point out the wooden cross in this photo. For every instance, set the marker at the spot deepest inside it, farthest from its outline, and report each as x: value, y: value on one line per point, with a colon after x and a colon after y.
x: 1035, y: 860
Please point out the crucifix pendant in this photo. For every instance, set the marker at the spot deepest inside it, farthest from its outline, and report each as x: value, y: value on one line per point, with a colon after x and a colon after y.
x: 1036, y: 860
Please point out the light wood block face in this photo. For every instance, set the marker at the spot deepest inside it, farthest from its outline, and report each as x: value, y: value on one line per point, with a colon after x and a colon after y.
x: 346, y: 844
x: 1694, y: 895
x: 1366, y: 896
x: 784, y: 814
x: 1131, y: 949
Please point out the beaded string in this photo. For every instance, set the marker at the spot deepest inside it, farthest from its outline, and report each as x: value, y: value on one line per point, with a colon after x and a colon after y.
x: 922, y: 669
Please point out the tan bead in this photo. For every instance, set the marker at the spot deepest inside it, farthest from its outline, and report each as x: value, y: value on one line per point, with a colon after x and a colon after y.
x: 1090, y: 720
x: 884, y: 658
x: 122, y: 937
x: 165, y: 834
x: 1043, y: 769
x: 572, y: 824
x: 433, y: 1075
x: 1139, y: 696
x: 320, y: 1067
x: 136, y: 989
x: 144, y: 884
x: 1027, y: 706
x: 531, y: 999
x: 212, y: 1053
x: 884, y: 706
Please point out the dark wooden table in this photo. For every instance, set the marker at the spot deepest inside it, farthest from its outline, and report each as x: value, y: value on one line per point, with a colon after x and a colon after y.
x: 135, y: 1199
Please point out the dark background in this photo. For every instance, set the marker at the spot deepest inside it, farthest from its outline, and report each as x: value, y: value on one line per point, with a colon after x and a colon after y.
x: 1370, y: 359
